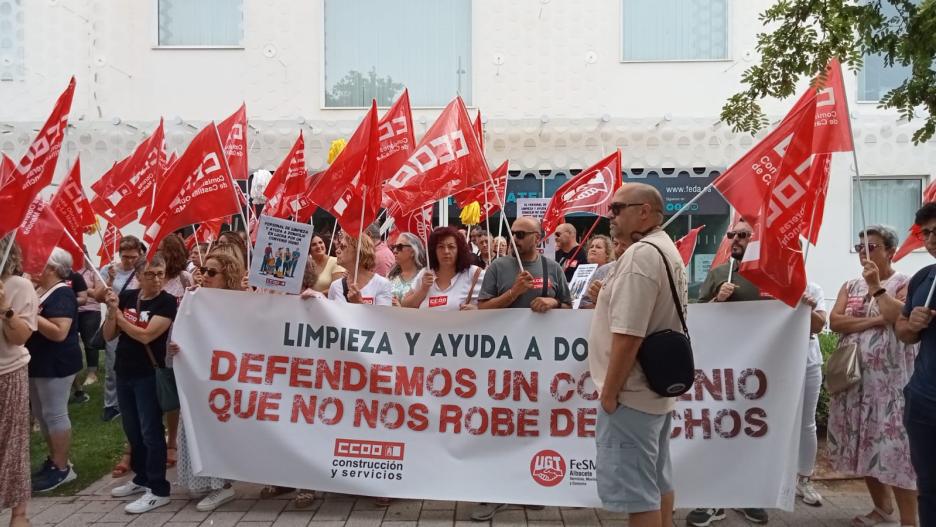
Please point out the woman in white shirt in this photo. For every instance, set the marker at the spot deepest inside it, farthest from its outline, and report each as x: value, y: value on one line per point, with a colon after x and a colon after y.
x: 361, y: 285
x: 450, y: 283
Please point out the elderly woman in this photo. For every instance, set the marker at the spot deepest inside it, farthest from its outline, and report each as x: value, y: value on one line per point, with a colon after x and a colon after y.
x: 410, y: 259
x: 221, y: 271
x: 140, y: 320
x: 327, y: 266
x: 865, y: 432
x: 55, y: 359
x: 600, y: 250
x: 19, y: 306
x: 362, y: 285
x: 450, y: 283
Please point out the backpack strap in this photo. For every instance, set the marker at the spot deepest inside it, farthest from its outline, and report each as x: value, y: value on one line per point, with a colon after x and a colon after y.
x: 672, y: 283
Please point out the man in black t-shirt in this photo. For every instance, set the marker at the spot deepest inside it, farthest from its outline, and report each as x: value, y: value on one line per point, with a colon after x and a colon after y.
x: 568, y: 253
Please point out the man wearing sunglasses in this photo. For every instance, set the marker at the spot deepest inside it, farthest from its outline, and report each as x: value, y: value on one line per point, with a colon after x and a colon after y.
x: 716, y: 287
x: 540, y: 285
x: 634, y: 422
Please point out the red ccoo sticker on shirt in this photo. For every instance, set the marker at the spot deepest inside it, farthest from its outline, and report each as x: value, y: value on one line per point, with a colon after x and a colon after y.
x: 436, y: 301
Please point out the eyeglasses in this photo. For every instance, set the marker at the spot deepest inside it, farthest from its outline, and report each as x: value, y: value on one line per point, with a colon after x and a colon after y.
x: 522, y: 234
x: 926, y: 233
x: 860, y: 247
x: 616, y: 208
x: 399, y: 247
x: 151, y: 275
x: 209, y: 272
x: 741, y: 235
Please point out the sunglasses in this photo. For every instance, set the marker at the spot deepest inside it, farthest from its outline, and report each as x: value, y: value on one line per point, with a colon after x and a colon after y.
x: 860, y: 247
x: 741, y: 235
x: 209, y: 272
x: 616, y: 208
x: 399, y: 247
x: 522, y: 234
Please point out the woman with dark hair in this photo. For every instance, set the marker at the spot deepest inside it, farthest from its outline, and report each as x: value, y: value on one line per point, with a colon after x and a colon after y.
x: 326, y: 266
x: 451, y: 281
x: 221, y: 271
x: 140, y: 320
x: 19, y: 307
x: 410, y: 259
x: 866, y: 435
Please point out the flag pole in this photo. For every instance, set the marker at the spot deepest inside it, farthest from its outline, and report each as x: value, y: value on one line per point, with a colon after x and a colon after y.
x: 584, y: 240
x: 9, y: 247
x: 332, y: 239
x: 234, y: 189
x: 730, y: 267
x: 502, y: 205
x: 357, y: 258
x: 487, y: 223
x: 84, y: 251
x: 851, y: 133
x: 929, y: 296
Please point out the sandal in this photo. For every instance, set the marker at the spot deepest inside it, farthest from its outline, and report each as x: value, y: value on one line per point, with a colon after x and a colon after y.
x: 272, y: 491
x: 869, y: 520
x: 122, y: 467
x: 171, y: 459
x: 304, y: 498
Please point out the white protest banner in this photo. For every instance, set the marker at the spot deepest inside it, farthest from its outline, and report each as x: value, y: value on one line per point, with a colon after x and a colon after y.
x: 583, y: 274
x: 536, y: 208
x: 280, y: 255
x: 493, y: 406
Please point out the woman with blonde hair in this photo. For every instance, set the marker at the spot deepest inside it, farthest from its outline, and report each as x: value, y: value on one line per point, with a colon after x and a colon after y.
x: 362, y: 285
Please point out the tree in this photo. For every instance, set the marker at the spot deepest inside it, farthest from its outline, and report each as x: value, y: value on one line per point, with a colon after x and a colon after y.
x: 354, y: 89
x: 808, y: 33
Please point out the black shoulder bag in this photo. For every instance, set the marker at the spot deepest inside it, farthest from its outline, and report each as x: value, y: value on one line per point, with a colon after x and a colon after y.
x: 666, y: 356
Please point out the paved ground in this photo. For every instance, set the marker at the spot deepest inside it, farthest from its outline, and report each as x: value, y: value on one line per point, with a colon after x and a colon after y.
x: 94, y: 506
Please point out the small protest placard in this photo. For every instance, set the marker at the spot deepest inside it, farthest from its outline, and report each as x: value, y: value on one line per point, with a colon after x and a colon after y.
x: 577, y: 286
x: 280, y: 256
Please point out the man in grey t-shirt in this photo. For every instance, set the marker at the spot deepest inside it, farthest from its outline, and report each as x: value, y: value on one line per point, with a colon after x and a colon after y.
x: 505, y: 285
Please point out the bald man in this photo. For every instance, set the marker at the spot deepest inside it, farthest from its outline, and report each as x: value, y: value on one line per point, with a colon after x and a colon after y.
x: 567, y: 247
x: 540, y: 285
x: 635, y: 472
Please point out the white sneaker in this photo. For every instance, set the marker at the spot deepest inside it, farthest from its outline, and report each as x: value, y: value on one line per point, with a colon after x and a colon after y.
x: 806, y: 491
x: 148, y: 502
x: 127, y: 489
x: 215, y: 500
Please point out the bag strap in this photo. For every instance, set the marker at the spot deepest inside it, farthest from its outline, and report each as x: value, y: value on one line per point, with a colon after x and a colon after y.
x: 149, y: 351
x: 672, y: 283
x: 129, y: 279
x: 545, y: 291
x: 344, y: 287
x: 474, y: 280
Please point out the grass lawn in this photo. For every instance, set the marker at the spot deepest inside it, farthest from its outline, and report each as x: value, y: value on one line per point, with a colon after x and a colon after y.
x: 96, y: 446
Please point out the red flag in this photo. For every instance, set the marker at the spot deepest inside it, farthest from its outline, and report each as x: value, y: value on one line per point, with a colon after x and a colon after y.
x: 287, y: 183
x: 108, y: 249
x: 773, y: 260
x: 818, y: 189
x: 914, y: 238
x: 233, y: 131
x: 589, y: 191
x: 43, y: 230
x: 446, y: 161
x: 724, y: 248
x: 418, y: 222
x: 34, y: 171
x: 207, y: 232
x: 7, y: 167
x: 687, y: 244
x: 479, y: 131
x: 487, y: 196
x: 349, y: 187
x: 395, y: 134
x: 197, y: 189
x: 128, y: 185
x: 73, y: 210
x: 832, y: 131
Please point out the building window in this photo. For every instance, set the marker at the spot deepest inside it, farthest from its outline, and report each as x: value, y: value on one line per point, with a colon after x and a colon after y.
x: 887, y: 201
x: 875, y: 79
x: 373, y: 51
x: 202, y: 23
x: 12, y: 54
x: 664, y: 30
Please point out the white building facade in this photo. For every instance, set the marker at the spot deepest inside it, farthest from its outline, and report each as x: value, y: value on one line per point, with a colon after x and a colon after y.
x: 560, y: 84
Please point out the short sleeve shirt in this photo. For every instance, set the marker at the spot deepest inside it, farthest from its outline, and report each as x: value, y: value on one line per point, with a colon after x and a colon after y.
x: 377, y: 292
x: 452, y: 297
x: 502, y: 273
x: 636, y: 300
x: 21, y: 296
x: 133, y: 361
x: 814, y: 356
x: 563, y: 257
x: 56, y: 359
x: 923, y: 381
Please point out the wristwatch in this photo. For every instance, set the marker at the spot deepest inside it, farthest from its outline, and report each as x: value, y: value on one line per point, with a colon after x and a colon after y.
x: 879, y: 292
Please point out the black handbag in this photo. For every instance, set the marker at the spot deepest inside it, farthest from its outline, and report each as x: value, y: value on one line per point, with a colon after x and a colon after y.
x: 666, y: 356
x: 167, y: 393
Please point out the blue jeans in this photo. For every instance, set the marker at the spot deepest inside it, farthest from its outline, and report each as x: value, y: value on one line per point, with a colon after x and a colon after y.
x: 920, y: 422
x: 142, y: 423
